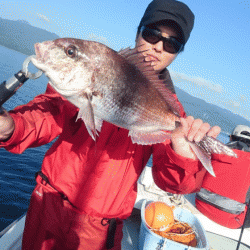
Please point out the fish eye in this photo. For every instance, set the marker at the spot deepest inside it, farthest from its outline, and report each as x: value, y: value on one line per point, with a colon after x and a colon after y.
x: 71, y: 51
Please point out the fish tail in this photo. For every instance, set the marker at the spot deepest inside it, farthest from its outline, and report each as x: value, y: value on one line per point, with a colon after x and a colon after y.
x: 212, y: 146
x: 203, y: 156
x: 207, y: 146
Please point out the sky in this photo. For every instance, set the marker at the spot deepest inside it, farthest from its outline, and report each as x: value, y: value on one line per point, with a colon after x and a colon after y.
x: 215, y: 65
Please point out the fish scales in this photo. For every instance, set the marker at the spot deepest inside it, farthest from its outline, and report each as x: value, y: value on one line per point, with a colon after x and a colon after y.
x: 125, y: 94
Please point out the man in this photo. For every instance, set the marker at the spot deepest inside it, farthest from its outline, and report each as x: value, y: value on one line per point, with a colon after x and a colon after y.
x: 86, y: 188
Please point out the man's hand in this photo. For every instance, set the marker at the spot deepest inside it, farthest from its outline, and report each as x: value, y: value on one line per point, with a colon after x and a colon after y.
x: 191, y: 130
x: 7, y: 126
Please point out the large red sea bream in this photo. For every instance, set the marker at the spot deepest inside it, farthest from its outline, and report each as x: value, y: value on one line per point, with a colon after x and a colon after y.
x: 118, y: 87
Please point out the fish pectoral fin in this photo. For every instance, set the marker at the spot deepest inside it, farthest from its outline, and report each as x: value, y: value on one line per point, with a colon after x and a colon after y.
x: 98, y: 124
x: 86, y: 113
x: 146, y: 138
x: 203, y: 156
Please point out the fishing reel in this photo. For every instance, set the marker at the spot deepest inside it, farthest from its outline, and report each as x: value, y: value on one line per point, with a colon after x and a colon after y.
x: 8, y: 88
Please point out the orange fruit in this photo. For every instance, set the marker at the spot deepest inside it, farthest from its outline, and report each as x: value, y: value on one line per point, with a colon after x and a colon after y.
x: 158, y: 214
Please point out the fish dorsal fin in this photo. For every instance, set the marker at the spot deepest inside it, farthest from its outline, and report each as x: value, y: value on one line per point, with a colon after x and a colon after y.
x: 136, y: 58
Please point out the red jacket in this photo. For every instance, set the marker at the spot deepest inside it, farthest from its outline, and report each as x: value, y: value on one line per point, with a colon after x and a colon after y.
x: 99, y: 178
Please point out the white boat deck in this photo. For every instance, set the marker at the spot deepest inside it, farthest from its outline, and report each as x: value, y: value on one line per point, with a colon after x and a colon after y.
x: 219, y: 237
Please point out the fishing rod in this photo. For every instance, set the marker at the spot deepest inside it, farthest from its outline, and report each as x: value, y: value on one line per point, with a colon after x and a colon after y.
x: 8, y: 88
x: 247, y: 215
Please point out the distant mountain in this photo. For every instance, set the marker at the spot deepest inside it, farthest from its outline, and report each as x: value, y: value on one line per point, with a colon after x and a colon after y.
x: 210, y: 113
x: 21, y: 36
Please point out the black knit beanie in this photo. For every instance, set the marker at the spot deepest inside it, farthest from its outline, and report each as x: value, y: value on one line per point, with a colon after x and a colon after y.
x: 169, y: 10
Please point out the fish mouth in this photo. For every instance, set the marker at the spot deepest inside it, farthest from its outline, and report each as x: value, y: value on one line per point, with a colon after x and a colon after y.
x: 37, y: 51
x: 41, y: 50
x: 39, y: 64
x: 42, y: 54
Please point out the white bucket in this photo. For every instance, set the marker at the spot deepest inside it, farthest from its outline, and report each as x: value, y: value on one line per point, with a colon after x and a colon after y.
x: 151, y: 241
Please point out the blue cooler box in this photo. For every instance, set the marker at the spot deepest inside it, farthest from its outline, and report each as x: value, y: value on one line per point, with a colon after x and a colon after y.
x: 151, y: 241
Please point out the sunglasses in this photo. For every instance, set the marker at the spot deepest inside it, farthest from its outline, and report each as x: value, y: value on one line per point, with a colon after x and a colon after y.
x: 153, y: 36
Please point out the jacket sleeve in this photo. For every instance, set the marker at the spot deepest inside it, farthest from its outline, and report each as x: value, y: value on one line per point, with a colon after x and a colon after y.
x: 174, y: 173
x: 36, y: 123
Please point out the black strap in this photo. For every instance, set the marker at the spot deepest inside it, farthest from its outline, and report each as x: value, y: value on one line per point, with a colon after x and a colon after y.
x: 44, y: 177
x: 243, y: 227
x: 111, y: 232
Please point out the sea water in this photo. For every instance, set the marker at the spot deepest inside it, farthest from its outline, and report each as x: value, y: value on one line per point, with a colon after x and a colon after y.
x: 17, y: 171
